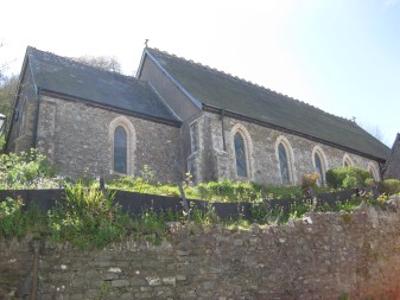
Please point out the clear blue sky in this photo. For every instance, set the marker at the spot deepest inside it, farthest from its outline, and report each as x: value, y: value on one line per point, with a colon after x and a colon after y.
x: 351, y: 50
x: 339, y: 55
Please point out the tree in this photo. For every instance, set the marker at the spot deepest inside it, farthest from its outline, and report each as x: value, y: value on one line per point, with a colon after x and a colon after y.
x: 103, y: 62
x: 8, y: 88
x: 3, y: 66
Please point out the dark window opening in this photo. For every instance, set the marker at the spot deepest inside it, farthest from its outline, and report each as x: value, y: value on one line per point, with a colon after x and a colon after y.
x: 240, y: 154
x: 120, y: 150
x: 319, y: 168
x: 284, y: 164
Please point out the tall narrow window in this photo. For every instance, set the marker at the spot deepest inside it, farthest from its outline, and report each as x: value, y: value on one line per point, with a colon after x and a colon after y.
x: 194, y: 137
x: 284, y: 164
x: 319, y: 167
x: 241, y: 156
x: 120, y: 150
x: 374, y: 172
x: 347, y: 162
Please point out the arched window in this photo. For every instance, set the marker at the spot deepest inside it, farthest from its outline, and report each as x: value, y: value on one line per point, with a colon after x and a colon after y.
x: 320, y: 164
x: 242, y: 149
x: 241, y: 155
x: 285, y: 158
x: 284, y: 164
x: 347, y: 162
x: 374, y: 172
x: 319, y: 168
x: 120, y: 150
x: 122, y: 137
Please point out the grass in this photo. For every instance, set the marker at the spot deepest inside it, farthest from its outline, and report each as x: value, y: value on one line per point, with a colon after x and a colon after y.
x: 221, y: 191
x: 89, y: 217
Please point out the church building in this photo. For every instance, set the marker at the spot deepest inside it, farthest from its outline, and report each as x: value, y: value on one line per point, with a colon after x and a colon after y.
x: 177, y: 116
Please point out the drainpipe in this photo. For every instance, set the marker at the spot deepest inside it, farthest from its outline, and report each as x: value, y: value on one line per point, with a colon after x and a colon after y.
x: 223, y: 128
x: 36, y: 122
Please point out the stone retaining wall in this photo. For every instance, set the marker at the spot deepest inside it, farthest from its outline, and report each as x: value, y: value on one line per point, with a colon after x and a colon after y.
x: 323, y: 256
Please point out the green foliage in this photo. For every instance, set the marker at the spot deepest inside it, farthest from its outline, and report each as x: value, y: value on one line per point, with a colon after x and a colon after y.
x: 283, y: 192
x: 87, y: 217
x: 229, y: 191
x: 262, y: 214
x: 2, y: 142
x: 25, y: 170
x: 140, y: 185
x: 348, y: 205
x: 370, y: 182
x: 222, y: 191
x: 204, y: 216
x: 7, y: 92
x: 390, y: 186
x: 14, y: 222
x: 346, y: 177
x: 11, y: 218
x: 309, y: 181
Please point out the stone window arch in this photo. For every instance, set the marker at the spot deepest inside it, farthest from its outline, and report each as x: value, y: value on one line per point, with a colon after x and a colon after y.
x: 320, y: 164
x: 122, y: 138
x: 285, y: 158
x: 242, y: 151
x: 373, y: 170
x: 347, y: 161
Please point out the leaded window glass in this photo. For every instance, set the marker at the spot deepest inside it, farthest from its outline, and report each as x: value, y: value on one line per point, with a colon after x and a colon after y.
x: 120, y: 150
x: 319, y: 168
x: 240, y: 153
x: 284, y: 164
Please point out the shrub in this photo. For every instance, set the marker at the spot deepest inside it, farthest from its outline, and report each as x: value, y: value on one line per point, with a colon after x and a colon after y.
x: 229, y: 191
x: 283, y: 192
x: 205, y: 216
x: 15, y: 222
x: 2, y: 142
x: 390, y: 186
x: 25, y: 170
x: 11, y: 218
x: 87, y: 217
x: 370, y: 182
x: 309, y: 181
x: 346, y: 177
x: 225, y: 191
x: 141, y: 185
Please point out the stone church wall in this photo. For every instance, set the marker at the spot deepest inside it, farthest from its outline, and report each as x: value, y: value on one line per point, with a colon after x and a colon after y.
x: 76, y: 138
x: 176, y: 100
x: 23, y: 125
x: 264, y: 165
x: 325, y: 256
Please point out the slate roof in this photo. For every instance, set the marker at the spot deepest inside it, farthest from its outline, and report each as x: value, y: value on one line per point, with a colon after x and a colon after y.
x: 217, y: 89
x: 392, y: 166
x: 64, y: 75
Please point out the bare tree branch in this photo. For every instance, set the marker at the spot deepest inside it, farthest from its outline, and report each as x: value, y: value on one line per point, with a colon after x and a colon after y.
x: 102, y: 62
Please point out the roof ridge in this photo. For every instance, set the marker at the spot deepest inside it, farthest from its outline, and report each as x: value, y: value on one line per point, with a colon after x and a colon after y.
x: 248, y: 82
x: 75, y: 61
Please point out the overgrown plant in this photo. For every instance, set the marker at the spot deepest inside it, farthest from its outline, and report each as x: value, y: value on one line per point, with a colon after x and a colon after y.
x: 17, y: 222
x: 87, y: 217
x: 390, y: 186
x: 347, y: 177
x: 221, y: 191
x: 26, y: 170
x: 2, y: 142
